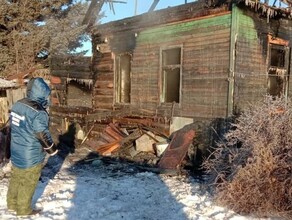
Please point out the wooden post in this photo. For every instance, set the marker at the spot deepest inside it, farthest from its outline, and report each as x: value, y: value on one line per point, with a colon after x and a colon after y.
x: 233, y: 38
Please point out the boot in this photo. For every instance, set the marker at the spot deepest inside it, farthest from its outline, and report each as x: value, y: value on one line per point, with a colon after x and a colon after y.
x: 33, y: 212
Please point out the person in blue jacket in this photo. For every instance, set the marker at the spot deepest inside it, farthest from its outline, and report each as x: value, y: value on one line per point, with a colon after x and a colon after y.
x: 30, y: 141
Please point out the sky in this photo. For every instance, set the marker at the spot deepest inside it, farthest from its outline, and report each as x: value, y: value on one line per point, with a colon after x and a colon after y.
x: 129, y: 9
x: 116, y: 191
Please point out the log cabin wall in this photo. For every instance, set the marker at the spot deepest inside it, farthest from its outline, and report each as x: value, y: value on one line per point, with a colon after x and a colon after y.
x: 66, y: 68
x: 204, y: 45
x: 285, y: 32
x: 70, y: 102
x: 71, y: 66
x: 224, y: 57
x: 103, y: 68
x: 250, y: 61
x: 252, y: 55
x: 201, y: 33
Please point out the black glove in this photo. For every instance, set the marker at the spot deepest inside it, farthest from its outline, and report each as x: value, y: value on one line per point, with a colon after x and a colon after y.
x: 52, y: 150
x: 47, y: 143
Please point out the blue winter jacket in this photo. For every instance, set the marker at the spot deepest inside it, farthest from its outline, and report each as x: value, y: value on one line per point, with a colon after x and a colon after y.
x: 28, y: 118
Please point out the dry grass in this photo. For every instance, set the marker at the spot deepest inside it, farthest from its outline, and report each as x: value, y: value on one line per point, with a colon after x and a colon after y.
x: 251, y: 170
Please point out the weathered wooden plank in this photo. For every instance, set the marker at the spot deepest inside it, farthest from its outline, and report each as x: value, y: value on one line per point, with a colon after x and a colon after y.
x: 137, y: 58
x: 205, y: 74
x: 105, y: 76
x: 206, y: 98
x: 72, y: 74
x: 58, y: 87
x: 103, y: 84
x: 189, y: 40
x: 98, y: 92
x: 76, y: 68
x: 102, y: 105
x: 149, y: 105
x: 208, y: 66
x: 66, y: 109
x: 173, y: 14
x: 163, y: 33
x: 69, y: 60
x: 104, y: 66
x: 107, y: 60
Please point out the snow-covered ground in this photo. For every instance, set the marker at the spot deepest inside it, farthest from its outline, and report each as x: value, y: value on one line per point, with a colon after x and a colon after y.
x: 117, y: 191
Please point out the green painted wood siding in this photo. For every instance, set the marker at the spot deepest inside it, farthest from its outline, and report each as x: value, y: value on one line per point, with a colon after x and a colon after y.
x: 205, y: 66
x: 251, y: 59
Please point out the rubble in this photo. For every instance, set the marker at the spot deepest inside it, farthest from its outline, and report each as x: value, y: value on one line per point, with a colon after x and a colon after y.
x: 143, y: 145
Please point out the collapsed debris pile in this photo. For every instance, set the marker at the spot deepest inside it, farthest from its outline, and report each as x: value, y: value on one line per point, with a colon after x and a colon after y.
x: 132, y: 140
x: 136, y: 135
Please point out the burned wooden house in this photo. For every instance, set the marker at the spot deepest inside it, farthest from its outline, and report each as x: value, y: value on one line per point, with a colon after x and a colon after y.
x: 197, y: 63
x: 194, y: 61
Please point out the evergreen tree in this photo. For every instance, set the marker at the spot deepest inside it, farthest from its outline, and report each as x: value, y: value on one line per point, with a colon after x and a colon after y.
x: 33, y: 30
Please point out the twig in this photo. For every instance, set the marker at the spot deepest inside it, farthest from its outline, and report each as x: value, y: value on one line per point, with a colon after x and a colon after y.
x: 84, y: 139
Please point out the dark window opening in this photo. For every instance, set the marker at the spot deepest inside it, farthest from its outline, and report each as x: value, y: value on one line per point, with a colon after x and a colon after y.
x: 278, y: 69
x: 3, y: 93
x: 275, y: 84
x: 278, y: 56
x: 171, y: 71
x: 79, y: 93
x: 172, y: 85
x: 123, y: 78
x: 171, y: 56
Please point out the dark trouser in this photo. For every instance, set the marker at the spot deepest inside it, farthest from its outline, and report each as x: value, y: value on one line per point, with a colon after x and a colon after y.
x: 21, y: 188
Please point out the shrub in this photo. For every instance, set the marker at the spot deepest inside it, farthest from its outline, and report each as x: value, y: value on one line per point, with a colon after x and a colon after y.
x: 250, y: 169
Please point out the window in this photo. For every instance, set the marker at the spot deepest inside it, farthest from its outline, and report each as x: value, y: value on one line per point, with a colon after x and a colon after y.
x: 79, y: 93
x: 3, y: 93
x: 278, y: 65
x: 123, y: 78
x: 277, y: 56
x: 171, y: 75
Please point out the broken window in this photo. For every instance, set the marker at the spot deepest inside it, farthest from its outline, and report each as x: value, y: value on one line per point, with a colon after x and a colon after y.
x: 123, y: 78
x: 3, y: 93
x: 79, y: 92
x: 278, y: 65
x: 171, y: 75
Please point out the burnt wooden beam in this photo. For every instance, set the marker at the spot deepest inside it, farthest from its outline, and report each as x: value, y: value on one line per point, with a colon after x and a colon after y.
x: 92, y: 12
x: 72, y: 74
x: 70, y: 110
x: 154, y: 4
x: 169, y: 15
x: 231, y: 78
x: 98, y: 116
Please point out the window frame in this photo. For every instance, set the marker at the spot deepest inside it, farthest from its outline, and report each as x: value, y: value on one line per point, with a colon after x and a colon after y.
x: 118, y: 79
x: 278, y: 73
x: 163, y: 73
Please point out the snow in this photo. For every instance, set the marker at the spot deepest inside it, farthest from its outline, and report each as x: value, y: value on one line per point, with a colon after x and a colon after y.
x: 6, y: 84
x: 114, y: 191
